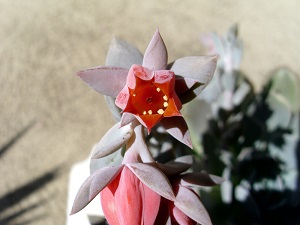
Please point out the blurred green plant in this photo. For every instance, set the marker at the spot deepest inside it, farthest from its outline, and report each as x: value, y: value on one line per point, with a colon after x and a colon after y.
x: 250, y: 138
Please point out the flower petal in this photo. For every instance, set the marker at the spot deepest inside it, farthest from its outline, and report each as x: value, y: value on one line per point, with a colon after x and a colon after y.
x: 151, y: 202
x: 201, y: 179
x: 164, y: 79
x: 163, y: 216
x: 150, y: 120
x: 122, y: 98
x: 200, y: 68
x: 189, y: 203
x: 140, y: 72
x: 177, y: 127
x: 108, y: 201
x: 174, y: 105
x: 153, y: 178
x: 122, y: 54
x: 89, y: 189
x: 128, y: 198
x: 156, y: 55
x: 113, y: 140
x: 105, y: 80
x: 180, y: 217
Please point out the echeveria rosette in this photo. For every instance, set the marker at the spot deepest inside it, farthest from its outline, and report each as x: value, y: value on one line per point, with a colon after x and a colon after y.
x: 186, y: 78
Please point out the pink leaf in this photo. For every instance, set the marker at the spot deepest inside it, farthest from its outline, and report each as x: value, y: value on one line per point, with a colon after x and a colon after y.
x: 113, y: 140
x: 153, y: 178
x: 177, y: 127
x: 123, y: 54
x: 200, y: 68
x: 189, y: 203
x: 201, y: 179
x: 156, y: 55
x: 102, y: 178
x: 127, y: 118
x: 183, y: 84
x: 99, y: 77
x: 92, y: 186
x: 177, y: 166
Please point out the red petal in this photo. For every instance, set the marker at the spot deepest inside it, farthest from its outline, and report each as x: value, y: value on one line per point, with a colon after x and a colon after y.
x: 165, y: 80
x: 151, y: 202
x: 150, y: 120
x: 172, y: 109
x: 108, y: 202
x: 180, y: 217
x: 122, y: 98
x: 128, y: 199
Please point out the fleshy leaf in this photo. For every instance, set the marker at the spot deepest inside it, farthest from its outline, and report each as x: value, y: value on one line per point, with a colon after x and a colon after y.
x: 98, y: 78
x: 127, y: 118
x: 156, y: 55
x: 189, y: 203
x: 201, y: 179
x: 177, y: 127
x: 286, y: 84
x: 281, y: 114
x: 176, y: 166
x: 113, y: 159
x: 110, y: 101
x: 102, y: 178
x: 136, y: 147
x: 241, y: 93
x: 200, y: 68
x: 113, y: 140
x: 183, y: 84
x: 153, y: 178
x: 89, y: 189
x: 122, y: 54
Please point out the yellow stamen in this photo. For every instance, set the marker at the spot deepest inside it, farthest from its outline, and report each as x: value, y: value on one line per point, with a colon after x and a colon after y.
x: 158, y: 89
x: 134, y: 95
x: 144, y: 113
x: 150, y: 112
x: 165, y: 98
x: 166, y: 104
x: 160, y: 111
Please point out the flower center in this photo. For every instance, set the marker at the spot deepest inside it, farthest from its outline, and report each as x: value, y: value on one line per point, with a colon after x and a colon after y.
x: 147, y: 99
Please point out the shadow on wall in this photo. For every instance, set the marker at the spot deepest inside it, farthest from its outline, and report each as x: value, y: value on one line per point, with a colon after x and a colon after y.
x: 14, y: 197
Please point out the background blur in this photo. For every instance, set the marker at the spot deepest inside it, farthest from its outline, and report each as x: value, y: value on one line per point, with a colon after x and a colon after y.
x: 50, y: 119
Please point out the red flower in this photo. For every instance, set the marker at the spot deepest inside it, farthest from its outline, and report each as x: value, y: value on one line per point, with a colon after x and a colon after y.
x: 149, y: 95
